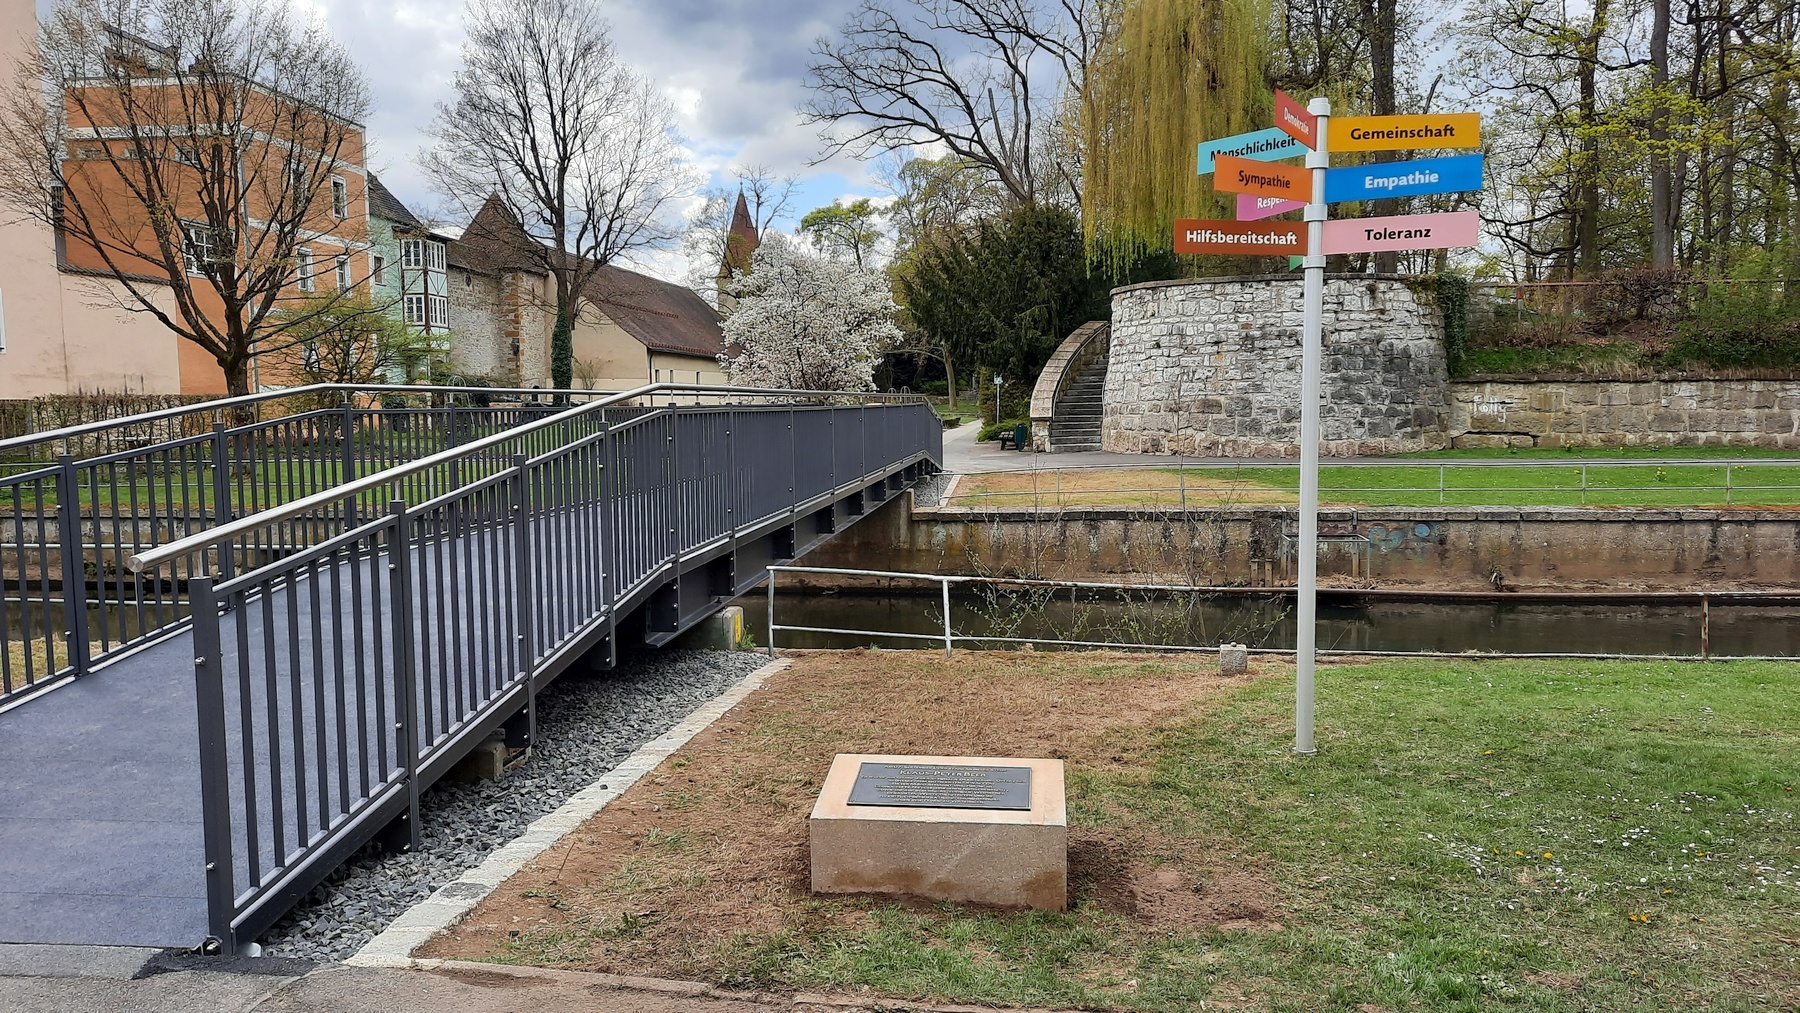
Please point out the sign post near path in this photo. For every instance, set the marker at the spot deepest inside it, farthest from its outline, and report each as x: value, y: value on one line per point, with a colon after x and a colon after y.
x: 1312, y: 354
x: 1243, y: 165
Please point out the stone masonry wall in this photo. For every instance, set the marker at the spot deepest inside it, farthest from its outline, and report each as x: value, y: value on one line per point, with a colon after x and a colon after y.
x: 1211, y: 367
x: 1589, y: 413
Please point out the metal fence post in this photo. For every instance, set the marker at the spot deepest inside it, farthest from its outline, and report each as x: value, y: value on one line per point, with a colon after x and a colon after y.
x: 771, y: 617
x: 1440, y: 485
x: 949, y: 639
x: 1728, y: 485
x: 521, y: 510
x: 400, y: 591
x: 222, y: 512
x: 347, y: 459
x: 74, y: 568
x: 215, y: 766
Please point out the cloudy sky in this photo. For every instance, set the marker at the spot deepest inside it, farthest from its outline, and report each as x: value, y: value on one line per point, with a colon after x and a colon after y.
x: 735, y: 70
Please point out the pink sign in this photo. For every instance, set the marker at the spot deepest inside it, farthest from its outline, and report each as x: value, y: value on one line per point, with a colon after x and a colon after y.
x: 1403, y: 232
x: 1251, y: 207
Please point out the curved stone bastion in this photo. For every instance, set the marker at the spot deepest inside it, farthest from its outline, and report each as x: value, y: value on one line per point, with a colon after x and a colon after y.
x: 1211, y: 368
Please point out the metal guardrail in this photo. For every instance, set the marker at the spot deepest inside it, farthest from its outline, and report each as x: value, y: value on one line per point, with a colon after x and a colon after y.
x: 68, y: 530
x: 1703, y: 601
x: 337, y: 682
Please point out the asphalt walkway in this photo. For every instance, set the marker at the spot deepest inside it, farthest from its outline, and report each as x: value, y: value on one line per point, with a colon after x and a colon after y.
x: 101, y: 979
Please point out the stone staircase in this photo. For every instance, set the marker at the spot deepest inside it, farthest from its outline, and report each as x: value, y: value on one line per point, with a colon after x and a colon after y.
x: 1076, y: 424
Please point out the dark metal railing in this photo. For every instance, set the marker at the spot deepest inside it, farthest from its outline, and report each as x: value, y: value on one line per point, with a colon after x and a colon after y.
x: 338, y: 681
x: 69, y: 525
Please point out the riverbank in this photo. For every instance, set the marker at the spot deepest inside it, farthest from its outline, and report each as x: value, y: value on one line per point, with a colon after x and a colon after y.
x: 1428, y: 548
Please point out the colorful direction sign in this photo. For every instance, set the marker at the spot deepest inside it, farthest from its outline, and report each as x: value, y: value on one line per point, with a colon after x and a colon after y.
x: 1250, y: 208
x: 1403, y: 232
x: 1194, y: 235
x: 1403, y: 179
x: 1263, y: 179
x: 1293, y: 119
x: 1392, y: 133
x: 1262, y: 145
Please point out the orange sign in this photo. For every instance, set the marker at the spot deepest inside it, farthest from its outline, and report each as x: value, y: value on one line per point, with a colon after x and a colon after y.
x: 1295, y: 121
x: 1240, y: 238
x: 1395, y: 133
x: 1262, y: 179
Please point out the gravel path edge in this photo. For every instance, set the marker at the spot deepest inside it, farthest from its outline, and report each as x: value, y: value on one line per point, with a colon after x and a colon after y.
x: 394, y: 945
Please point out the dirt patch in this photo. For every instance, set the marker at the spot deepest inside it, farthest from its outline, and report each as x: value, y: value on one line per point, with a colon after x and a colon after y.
x: 1050, y: 490
x: 707, y: 857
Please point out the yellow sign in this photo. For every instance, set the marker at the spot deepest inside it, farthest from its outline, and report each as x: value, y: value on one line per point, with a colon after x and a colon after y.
x: 1394, y: 133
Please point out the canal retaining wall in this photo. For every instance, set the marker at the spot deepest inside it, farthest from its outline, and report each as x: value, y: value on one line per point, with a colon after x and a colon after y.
x: 1436, y: 548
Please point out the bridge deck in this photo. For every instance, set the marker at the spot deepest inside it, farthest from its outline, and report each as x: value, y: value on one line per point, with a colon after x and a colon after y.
x: 100, y: 818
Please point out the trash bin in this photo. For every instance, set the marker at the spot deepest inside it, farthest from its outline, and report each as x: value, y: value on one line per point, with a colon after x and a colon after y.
x: 1020, y: 437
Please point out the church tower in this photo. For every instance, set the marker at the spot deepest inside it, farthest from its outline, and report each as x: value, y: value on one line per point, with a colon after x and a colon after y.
x: 741, y: 240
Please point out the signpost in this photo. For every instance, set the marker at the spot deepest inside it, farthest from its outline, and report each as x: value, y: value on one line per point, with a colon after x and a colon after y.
x: 1396, y: 133
x: 1194, y: 235
x: 1261, y: 145
x: 1249, y: 208
x: 1238, y: 165
x: 1403, y: 179
x: 1403, y: 232
x: 1261, y: 179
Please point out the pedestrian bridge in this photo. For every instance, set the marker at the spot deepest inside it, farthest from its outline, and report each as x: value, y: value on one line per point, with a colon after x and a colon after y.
x: 238, y: 649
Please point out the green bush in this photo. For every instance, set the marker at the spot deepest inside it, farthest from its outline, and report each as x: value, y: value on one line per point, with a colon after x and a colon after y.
x: 1738, y: 330
x: 990, y: 431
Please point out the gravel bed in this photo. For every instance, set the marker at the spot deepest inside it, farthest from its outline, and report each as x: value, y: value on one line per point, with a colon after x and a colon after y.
x: 930, y: 490
x: 587, y: 725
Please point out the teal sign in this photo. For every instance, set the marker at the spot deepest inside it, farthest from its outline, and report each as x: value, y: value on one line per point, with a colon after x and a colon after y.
x: 1403, y: 179
x: 1263, y: 145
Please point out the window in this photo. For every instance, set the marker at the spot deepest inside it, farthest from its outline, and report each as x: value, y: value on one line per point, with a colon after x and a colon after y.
x: 380, y: 271
x: 415, y: 310
x: 309, y: 355
x: 440, y: 310
x: 340, y: 197
x: 343, y: 273
x: 303, y: 268
x: 434, y: 256
x: 412, y: 253
x: 197, y: 247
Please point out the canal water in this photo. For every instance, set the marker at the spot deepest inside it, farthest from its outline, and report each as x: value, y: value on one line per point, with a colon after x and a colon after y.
x: 1264, y: 621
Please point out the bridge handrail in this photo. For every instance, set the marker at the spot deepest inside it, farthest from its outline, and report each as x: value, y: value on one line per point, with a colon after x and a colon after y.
x: 142, y: 562
x: 29, y: 440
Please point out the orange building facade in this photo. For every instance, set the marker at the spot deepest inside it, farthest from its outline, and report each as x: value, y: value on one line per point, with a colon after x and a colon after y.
x: 301, y: 189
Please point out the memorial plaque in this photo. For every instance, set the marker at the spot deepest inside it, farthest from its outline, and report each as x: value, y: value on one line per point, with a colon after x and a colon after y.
x: 941, y: 786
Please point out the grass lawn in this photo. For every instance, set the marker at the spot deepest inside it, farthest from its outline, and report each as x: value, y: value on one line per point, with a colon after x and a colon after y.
x: 1524, y: 484
x: 1472, y: 836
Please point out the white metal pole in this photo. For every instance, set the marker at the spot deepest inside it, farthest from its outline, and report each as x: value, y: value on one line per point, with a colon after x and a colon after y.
x: 949, y: 638
x: 1311, y: 355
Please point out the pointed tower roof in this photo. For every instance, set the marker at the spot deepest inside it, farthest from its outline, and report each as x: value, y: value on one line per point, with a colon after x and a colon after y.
x: 741, y: 240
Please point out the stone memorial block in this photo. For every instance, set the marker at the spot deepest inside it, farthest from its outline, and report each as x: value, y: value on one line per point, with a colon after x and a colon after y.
x: 1234, y: 659
x: 959, y: 828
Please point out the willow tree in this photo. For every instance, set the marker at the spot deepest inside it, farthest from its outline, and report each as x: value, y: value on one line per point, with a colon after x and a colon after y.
x: 1171, y: 74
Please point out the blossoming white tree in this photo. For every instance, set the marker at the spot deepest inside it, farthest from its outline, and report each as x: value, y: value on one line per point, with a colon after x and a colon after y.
x: 806, y: 323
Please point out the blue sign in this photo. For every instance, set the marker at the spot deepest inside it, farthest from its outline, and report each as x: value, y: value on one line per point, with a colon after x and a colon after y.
x: 1263, y: 145
x: 1403, y: 179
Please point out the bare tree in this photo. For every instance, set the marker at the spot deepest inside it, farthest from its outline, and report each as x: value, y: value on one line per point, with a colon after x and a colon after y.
x: 983, y: 78
x: 189, y: 147
x: 767, y: 195
x: 579, y: 150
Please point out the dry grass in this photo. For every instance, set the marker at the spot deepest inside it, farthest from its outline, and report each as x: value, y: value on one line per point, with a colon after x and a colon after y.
x: 41, y: 668
x: 1135, y: 487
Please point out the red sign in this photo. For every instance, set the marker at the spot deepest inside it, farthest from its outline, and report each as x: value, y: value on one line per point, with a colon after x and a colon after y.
x: 1239, y: 238
x: 1293, y: 118
x: 1263, y: 179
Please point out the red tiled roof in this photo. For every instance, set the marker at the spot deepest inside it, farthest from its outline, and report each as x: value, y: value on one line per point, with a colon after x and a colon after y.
x: 662, y: 316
